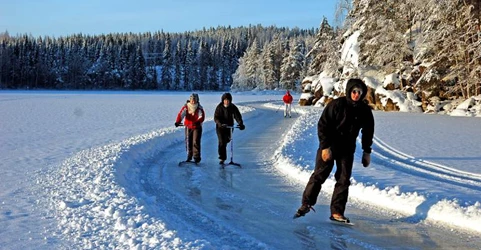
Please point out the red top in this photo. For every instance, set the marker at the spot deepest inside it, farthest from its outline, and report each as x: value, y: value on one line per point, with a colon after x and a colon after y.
x: 192, y: 121
x: 287, y: 98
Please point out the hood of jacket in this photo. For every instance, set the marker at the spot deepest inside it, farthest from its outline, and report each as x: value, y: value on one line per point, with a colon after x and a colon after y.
x: 354, y: 82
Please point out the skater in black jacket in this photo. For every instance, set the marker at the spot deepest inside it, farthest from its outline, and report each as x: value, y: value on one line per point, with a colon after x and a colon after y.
x: 225, y: 114
x: 338, y: 128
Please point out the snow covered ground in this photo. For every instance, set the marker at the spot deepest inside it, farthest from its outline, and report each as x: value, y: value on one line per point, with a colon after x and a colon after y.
x: 99, y: 170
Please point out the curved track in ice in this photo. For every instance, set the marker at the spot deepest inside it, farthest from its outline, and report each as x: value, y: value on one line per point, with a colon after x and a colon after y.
x: 132, y: 195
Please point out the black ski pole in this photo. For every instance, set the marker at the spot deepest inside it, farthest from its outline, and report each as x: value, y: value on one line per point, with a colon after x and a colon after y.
x: 279, y: 108
x: 232, y: 147
x: 295, y: 109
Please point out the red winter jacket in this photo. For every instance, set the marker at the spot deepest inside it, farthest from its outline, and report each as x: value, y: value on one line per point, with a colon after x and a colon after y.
x: 287, y: 98
x: 191, y: 121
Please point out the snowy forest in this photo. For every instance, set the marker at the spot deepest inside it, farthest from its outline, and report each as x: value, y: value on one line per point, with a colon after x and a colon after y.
x: 432, y: 47
x: 199, y: 60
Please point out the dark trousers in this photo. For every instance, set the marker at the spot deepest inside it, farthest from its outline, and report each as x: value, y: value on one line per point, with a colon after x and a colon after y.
x: 321, y: 173
x: 192, y: 142
x: 224, y: 137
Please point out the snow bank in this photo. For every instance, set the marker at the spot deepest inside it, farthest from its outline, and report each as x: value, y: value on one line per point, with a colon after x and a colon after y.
x: 297, y: 167
x: 95, y: 210
x: 469, y: 107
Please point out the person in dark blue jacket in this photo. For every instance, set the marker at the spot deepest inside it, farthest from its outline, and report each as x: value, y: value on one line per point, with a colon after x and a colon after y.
x: 225, y: 114
x: 338, y: 128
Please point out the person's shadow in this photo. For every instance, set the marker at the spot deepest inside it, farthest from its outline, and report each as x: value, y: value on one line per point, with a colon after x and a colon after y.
x: 421, y: 211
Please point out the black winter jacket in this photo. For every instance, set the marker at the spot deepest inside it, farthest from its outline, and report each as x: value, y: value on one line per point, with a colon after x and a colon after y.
x: 223, y: 115
x: 341, y: 121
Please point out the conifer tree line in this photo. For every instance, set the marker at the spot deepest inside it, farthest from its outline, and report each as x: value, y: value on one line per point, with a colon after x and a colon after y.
x: 196, y: 60
x: 433, y: 45
x: 283, y: 62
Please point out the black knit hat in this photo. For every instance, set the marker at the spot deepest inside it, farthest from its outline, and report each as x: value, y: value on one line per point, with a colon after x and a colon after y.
x: 227, y: 96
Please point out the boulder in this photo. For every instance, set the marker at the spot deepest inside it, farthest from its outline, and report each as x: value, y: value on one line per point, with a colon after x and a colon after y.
x: 370, y: 97
x: 306, y: 101
x: 390, y: 106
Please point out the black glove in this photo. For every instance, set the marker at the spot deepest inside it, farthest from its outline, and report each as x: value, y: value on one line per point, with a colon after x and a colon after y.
x: 224, y: 125
x: 242, y: 126
x: 177, y: 124
x: 366, y: 159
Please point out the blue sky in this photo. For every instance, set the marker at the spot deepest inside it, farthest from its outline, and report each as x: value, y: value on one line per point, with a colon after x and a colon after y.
x: 61, y: 17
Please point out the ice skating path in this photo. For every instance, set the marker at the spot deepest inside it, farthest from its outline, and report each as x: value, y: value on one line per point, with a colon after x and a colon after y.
x: 251, y: 207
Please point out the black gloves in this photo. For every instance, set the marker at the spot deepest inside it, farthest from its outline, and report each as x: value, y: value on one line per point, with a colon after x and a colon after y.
x: 177, y: 124
x: 242, y: 126
x: 366, y: 159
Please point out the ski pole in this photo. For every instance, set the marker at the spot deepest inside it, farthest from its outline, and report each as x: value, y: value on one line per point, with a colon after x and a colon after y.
x: 295, y: 109
x: 279, y: 108
x: 231, y: 146
x: 231, y: 128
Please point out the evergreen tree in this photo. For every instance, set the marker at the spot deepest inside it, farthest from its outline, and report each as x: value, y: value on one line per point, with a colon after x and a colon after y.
x: 249, y: 76
x: 204, y: 63
x: 240, y: 79
x: 179, y: 65
x: 191, y: 67
x: 167, y: 66
x: 271, y: 60
x: 383, y: 41
x: 292, y: 67
x: 139, y: 74
x: 321, y: 50
x: 452, y: 37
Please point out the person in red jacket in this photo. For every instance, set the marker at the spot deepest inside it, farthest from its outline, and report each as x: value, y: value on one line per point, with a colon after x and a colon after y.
x: 193, y: 115
x: 287, y: 102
